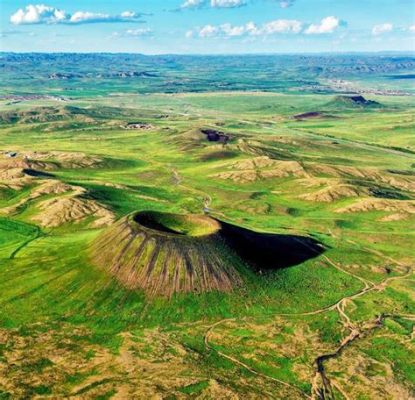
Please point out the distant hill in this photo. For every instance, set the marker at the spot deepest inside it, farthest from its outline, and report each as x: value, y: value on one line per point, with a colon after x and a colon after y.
x: 68, y: 113
x: 77, y: 75
x: 42, y: 114
x: 357, y: 101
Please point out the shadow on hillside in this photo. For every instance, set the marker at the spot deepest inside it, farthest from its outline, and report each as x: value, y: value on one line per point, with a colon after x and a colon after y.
x: 37, y: 174
x: 266, y: 251
x: 148, y: 221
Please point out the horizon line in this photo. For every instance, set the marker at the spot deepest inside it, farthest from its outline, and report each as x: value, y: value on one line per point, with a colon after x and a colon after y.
x: 379, y: 52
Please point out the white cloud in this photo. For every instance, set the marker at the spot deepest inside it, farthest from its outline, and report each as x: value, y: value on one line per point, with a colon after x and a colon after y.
x: 139, y: 32
x: 41, y: 14
x: 85, y: 16
x: 193, y: 3
x: 37, y: 14
x: 327, y: 25
x: 129, y: 14
x: 208, y: 31
x: 233, y: 30
x: 382, y: 28
x: 412, y: 29
x: 227, y: 3
x: 214, y: 3
x: 282, y: 26
x: 278, y: 26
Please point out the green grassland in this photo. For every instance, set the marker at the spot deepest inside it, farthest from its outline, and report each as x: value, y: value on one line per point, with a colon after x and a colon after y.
x: 68, y: 328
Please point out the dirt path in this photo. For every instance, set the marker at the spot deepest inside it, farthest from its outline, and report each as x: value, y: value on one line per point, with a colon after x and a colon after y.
x: 245, y: 366
x: 325, y: 391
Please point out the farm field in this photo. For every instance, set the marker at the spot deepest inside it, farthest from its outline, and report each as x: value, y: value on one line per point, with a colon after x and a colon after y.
x: 211, y: 244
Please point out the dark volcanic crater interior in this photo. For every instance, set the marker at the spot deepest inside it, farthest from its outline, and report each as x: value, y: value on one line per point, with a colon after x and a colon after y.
x: 213, y: 135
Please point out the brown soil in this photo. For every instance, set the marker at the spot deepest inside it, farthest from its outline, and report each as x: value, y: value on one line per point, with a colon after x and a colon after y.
x: 14, y: 178
x: 369, y: 174
x: 138, y: 126
x: 47, y: 187
x: 395, y: 206
x: 20, y: 171
x: 339, y: 171
x: 55, y: 187
x: 332, y: 193
x: 25, y: 164
x: 238, y: 176
x: 148, y: 364
x: 263, y: 167
x: 58, y: 211
x: 66, y: 159
x: 254, y: 163
x: 395, y: 217
x: 17, y: 173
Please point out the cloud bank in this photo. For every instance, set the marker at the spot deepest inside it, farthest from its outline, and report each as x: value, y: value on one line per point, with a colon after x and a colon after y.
x: 279, y: 26
x: 214, y: 3
x: 139, y: 32
x: 249, y: 29
x: 228, y: 3
x: 42, y: 14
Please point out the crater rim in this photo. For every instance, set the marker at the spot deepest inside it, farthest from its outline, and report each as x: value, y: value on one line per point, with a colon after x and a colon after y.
x: 175, y: 225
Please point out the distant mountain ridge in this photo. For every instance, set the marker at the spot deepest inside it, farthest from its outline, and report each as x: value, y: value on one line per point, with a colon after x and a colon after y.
x: 137, y: 73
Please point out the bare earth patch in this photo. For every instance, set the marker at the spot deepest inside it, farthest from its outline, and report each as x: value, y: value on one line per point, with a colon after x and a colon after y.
x: 70, y: 160
x: 259, y: 168
x: 47, y: 187
x: 332, y: 193
x: 15, y: 172
x: 401, y: 207
x: 58, y: 211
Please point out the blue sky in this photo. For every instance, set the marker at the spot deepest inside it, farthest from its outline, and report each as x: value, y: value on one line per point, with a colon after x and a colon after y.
x: 207, y: 26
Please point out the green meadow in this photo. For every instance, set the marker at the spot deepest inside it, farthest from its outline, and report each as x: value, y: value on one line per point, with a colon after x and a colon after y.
x: 344, y: 177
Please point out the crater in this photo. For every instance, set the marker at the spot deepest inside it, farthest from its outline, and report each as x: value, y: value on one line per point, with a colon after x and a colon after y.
x: 164, y: 253
x: 213, y: 135
x: 176, y: 224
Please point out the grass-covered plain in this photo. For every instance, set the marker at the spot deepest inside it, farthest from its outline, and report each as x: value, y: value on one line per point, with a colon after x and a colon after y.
x: 345, y: 177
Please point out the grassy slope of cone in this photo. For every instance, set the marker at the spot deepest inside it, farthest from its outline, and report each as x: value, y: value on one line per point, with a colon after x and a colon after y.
x: 167, y: 253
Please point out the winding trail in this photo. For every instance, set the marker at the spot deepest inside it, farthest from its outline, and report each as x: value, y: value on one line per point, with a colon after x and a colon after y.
x: 325, y: 392
x: 245, y: 366
x: 355, y: 333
